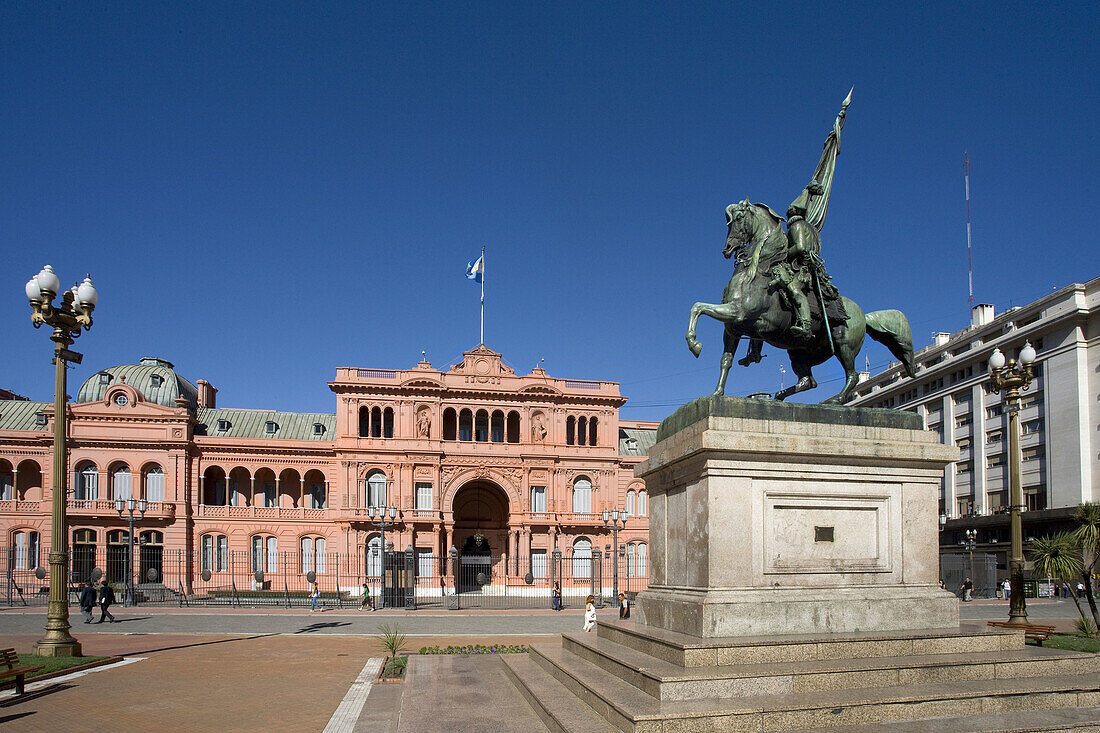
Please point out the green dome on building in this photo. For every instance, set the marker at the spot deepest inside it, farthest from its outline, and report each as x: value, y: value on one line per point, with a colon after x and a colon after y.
x: 155, y: 378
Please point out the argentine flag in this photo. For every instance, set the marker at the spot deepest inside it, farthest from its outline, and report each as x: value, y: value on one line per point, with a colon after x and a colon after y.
x: 476, y: 270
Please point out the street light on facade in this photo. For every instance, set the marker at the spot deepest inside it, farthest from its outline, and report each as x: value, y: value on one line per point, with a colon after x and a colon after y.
x: 140, y: 506
x: 1011, y: 378
x: 377, y: 515
x: 614, y: 519
x: 73, y: 314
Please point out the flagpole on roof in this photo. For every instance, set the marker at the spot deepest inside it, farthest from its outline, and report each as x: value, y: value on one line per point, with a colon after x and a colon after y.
x: 482, y: 295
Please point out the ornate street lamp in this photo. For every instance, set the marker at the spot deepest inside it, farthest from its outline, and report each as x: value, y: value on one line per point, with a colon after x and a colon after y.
x: 378, y: 519
x: 67, y: 319
x: 1011, y: 378
x: 130, y: 504
x: 614, y: 519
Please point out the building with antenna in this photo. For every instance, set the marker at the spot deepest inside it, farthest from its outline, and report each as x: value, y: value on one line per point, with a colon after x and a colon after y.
x: 1060, y: 419
x: 505, y: 468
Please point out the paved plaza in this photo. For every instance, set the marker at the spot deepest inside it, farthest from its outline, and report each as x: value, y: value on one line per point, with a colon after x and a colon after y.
x: 251, y: 670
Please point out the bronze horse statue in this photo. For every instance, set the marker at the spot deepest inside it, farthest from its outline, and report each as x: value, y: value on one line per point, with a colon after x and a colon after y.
x: 752, y: 306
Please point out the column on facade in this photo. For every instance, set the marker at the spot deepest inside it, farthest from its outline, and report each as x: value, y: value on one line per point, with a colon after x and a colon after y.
x: 512, y: 549
x: 202, y: 489
x: 252, y: 491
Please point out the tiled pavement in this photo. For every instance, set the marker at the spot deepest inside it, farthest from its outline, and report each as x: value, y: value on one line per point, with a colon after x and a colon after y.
x: 281, y: 671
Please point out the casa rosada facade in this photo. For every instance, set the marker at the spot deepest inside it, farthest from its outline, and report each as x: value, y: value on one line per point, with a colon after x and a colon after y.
x: 473, y: 457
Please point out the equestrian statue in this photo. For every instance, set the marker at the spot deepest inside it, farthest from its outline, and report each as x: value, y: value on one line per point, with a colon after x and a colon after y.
x: 781, y: 294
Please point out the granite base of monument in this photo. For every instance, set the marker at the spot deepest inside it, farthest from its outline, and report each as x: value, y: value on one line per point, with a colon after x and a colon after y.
x: 776, y: 518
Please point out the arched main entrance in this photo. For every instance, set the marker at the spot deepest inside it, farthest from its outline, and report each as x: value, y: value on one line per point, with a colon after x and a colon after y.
x: 481, y: 529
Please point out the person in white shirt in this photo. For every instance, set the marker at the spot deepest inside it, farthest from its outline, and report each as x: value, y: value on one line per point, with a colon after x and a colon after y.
x: 589, y: 613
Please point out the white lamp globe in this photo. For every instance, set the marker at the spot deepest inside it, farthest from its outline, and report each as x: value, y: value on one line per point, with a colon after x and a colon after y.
x: 34, y: 293
x: 86, y: 293
x: 996, y: 360
x: 48, y: 280
x: 1027, y: 354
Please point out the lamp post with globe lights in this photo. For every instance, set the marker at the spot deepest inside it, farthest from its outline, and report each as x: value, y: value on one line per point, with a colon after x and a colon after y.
x: 67, y: 319
x: 615, y: 520
x: 131, y: 504
x: 377, y: 518
x: 1011, y: 378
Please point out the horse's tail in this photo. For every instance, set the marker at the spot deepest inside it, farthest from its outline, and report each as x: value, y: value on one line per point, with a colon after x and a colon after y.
x: 891, y: 329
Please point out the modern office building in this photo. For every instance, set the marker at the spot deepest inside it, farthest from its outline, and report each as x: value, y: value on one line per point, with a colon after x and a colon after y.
x: 472, y: 457
x: 1059, y: 420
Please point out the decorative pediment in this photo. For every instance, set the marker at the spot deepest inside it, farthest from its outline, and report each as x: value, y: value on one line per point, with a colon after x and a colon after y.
x: 482, y: 362
x: 540, y: 389
x: 423, y: 382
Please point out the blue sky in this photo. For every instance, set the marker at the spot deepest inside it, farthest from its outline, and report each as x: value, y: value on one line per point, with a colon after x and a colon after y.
x: 265, y: 191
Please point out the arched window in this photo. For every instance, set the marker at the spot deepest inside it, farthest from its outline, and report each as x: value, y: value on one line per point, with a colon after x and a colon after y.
x: 265, y: 554
x: 582, y: 495
x: 630, y: 503
x: 215, y: 553
x: 7, y: 482
x: 592, y: 424
x: 154, y: 483
x: 83, y: 554
x: 582, y: 558
x: 118, y: 555
x: 640, y: 560
x: 387, y: 422
x: 376, y: 489
x: 465, y: 425
x: 376, y: 422
x: 25, y: 543
x: 374, y: 556
x: 643, y: 508
x: 570, y: 430
x: 120, y: 482
x: 312, y: 556
x: 631, y: 567
x: 364, y: 421
x: 582, y: 430
x: 86, y: 483
x: 481, y: 426
x: 513, y: 427
x: 318, y: 497
x: 150, y: 557
x: 497, y: 427
x: 450, y: 424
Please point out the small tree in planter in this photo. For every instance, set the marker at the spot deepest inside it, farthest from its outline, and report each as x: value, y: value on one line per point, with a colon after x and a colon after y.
x: 393, y: 643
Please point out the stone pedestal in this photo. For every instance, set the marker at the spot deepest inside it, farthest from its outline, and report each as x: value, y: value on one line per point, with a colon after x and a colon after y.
x: 776, y: 518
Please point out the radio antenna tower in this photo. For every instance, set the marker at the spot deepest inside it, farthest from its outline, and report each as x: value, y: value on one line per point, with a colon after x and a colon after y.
x: 969, y: 249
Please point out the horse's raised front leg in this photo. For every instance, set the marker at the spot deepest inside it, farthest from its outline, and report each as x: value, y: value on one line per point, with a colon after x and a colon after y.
x: 729, y: 347
x: 719, y: 311
x: 802, y: 370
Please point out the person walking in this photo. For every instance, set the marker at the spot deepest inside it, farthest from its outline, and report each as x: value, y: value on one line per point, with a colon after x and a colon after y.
x: 555, y: 597
x: 1008, y: 589
x: 589, y: 613
x: 87, y: 601
x: 106, y: 600
x: 366, y: 599
x: 967, y: 588
x: 624, y: 606
x: 314, y: 594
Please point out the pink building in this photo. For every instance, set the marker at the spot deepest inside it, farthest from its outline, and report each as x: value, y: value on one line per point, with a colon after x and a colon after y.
x: 504, y: 468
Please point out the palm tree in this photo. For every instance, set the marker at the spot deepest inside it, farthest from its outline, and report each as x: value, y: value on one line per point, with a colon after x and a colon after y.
x: 1087, y: 536
x: 1058, y: 556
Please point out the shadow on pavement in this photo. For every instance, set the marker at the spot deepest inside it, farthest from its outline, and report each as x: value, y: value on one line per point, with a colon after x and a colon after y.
x: 317, y: 627
x: 17, y: 716
x: 197, y: 643
x: 33, y: 695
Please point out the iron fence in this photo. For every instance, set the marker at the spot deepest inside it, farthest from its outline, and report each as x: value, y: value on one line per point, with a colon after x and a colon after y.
x: 284, y: 579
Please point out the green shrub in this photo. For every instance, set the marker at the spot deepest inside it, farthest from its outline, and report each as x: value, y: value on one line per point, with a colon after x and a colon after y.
x: 476, y: 649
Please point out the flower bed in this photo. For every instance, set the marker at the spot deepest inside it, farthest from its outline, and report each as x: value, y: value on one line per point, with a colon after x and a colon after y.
x: 476, y: 649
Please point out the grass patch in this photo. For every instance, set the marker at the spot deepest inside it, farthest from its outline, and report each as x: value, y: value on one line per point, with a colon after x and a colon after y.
x: 395, y: 667
x: 1073, y: 643
x: 52, y: 664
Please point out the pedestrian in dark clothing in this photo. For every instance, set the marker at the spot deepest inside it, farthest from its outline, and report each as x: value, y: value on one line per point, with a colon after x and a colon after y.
x: 967, y: 588
x: 555, y: 597
x: 106, y: 598
x: 87, y: 601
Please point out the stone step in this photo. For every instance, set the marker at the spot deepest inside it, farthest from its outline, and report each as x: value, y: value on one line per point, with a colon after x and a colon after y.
x: 1081, y: 720
x: 558, y: 708
x: 692, y: 651
x: 634, y: 711
x: 667, y: 681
